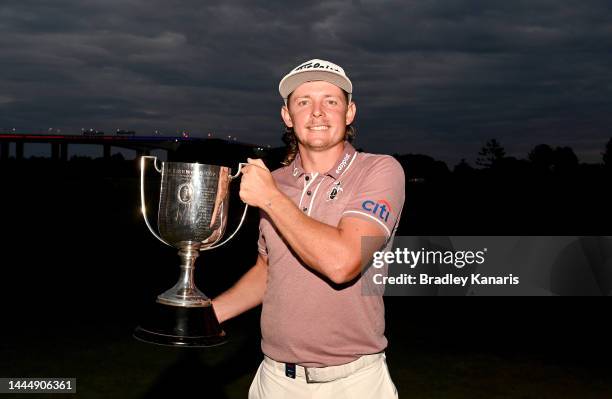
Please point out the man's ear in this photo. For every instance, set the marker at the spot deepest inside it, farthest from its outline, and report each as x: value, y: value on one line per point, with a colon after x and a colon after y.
x: 350, y: 113
x: 286, y: 116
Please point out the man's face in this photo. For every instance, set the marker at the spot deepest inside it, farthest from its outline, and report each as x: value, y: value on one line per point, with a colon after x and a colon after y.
x: 318, y: 113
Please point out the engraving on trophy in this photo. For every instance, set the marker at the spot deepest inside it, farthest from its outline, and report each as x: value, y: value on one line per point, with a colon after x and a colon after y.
x: 185, y: 193
x: 184, y: 207
x: 187, y: 201
x: 192, y: 216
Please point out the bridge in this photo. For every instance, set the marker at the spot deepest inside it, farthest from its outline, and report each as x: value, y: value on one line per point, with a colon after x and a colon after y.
x: 143, y: 145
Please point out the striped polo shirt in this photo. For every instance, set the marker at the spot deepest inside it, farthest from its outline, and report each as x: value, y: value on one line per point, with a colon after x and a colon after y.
x: 307, y: 319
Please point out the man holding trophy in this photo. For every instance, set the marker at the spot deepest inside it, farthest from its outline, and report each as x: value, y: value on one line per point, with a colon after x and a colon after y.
x: 321, y: 335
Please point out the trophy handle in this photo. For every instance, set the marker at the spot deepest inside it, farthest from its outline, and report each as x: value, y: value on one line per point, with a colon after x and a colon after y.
x: 246, y: 207
x: 143, y: 207
x: 240, y: 165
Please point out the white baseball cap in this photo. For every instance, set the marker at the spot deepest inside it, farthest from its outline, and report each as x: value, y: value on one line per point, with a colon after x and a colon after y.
x: 315, y: 70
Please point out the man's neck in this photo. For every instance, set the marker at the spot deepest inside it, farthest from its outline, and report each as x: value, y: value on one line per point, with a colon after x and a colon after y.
x: 320, y: 161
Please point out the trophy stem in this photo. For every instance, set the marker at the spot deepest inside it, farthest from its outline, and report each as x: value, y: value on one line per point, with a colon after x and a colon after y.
x: 185, y: 292
x: 183, y: 315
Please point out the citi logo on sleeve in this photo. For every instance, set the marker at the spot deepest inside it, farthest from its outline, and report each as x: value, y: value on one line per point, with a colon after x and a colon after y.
x: 380, y: 208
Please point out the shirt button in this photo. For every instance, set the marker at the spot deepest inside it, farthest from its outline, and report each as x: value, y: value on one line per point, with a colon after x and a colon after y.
x: 307, y: 178
x: 304, y: 209
x: 308, y: 192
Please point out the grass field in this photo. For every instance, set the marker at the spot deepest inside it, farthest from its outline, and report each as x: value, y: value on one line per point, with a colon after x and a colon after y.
x: 426, y: 361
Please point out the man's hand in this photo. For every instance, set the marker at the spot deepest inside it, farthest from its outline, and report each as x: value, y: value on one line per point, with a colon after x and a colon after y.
x: 257, y: 187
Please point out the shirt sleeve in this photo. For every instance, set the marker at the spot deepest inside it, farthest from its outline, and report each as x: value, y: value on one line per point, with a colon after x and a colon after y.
x: 261, y: 243
x: 379, y: 196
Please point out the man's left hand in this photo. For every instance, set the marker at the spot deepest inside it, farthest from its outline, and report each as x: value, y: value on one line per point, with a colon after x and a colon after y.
x: 257, y: 187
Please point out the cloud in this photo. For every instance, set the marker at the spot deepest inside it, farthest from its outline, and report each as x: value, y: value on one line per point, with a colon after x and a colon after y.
x: 430, y: 76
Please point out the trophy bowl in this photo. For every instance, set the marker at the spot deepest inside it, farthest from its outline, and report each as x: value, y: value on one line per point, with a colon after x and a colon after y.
x: 192, y: 217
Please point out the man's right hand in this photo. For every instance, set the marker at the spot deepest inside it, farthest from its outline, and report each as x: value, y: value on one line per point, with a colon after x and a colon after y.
x: 257, y: 187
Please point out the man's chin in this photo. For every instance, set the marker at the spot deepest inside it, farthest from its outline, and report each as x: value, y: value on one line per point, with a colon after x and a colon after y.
x: 318, y: 144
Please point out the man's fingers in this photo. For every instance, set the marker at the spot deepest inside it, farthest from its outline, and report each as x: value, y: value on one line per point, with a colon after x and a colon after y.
x: 257, y: 162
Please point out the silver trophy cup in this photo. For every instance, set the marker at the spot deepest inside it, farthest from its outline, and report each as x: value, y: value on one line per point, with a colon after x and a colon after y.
x: 192, y: 217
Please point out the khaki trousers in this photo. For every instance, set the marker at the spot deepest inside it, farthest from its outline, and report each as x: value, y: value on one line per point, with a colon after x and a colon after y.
x: 366, y: 378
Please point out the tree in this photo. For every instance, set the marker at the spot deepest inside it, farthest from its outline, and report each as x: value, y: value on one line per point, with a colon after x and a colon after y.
x: 463, y: 167
x: 565, y: 159
x: 491, y: 153
x: 423, y: 166
x: 560, y: 159
x: 542, y: 156
x: 607, y: 155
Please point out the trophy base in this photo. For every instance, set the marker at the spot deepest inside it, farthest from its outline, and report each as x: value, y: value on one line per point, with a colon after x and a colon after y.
x: 179, y: 326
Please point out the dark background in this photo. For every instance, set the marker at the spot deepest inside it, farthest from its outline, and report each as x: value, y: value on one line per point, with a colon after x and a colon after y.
x: 79, y: 265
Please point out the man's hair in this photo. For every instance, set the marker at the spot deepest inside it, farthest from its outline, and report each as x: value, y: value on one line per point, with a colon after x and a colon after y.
x: 290, y: 139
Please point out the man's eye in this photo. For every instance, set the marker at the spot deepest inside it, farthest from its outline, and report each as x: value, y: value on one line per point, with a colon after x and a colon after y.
x: 302, y: 102
x: 332, y: 102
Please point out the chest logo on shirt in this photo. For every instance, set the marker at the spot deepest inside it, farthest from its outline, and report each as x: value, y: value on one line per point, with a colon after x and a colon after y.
x: 334, y: 191
x: 380, y: 208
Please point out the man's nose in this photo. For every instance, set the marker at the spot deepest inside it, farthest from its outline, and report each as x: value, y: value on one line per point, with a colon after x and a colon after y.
x: 317, y: 109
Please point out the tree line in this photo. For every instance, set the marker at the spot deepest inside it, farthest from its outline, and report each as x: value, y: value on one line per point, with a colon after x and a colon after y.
x: 492, y: 158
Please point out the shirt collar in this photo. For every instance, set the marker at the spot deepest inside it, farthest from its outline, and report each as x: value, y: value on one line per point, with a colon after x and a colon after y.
x: 336, y: 171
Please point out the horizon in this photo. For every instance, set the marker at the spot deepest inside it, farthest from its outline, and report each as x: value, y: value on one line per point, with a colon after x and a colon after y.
x: 95, y: 151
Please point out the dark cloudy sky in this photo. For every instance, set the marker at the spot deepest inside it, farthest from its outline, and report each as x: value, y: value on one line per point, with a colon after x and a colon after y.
x: 438, y: 77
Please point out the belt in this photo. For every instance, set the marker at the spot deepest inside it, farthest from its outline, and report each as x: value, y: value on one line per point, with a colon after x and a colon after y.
x: 323, y: 374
